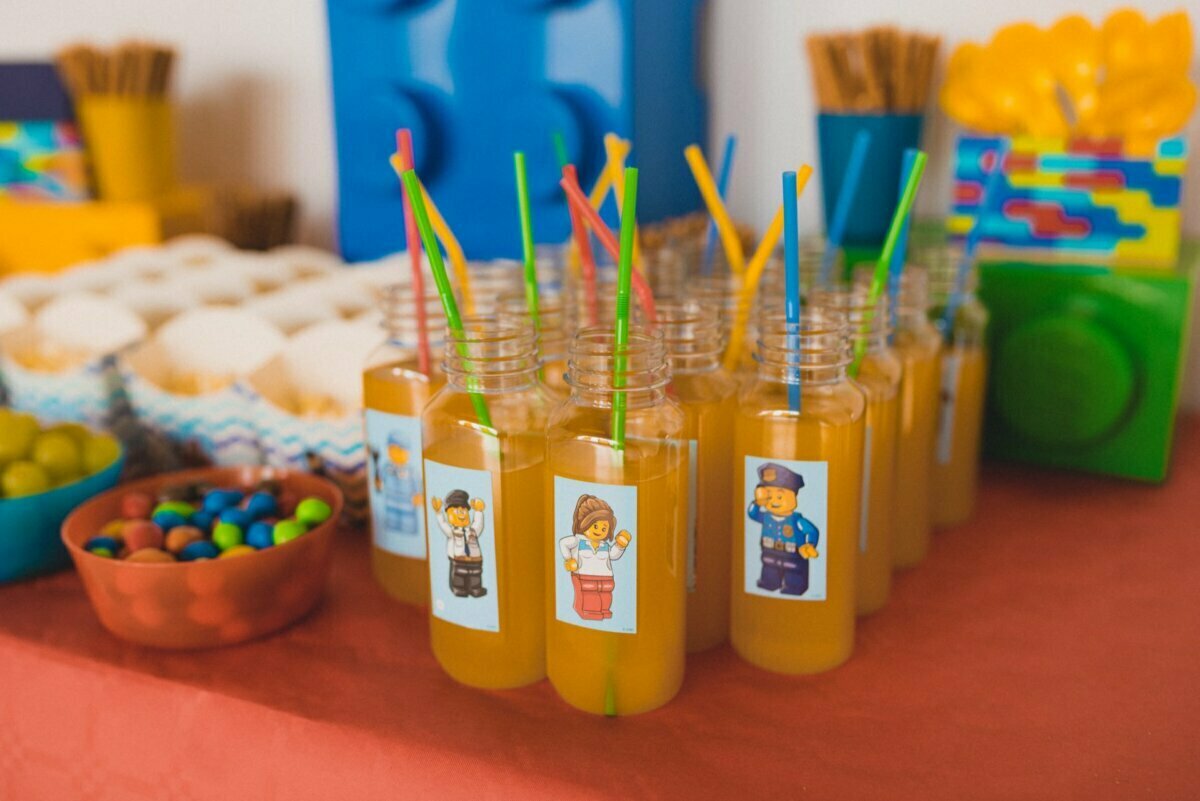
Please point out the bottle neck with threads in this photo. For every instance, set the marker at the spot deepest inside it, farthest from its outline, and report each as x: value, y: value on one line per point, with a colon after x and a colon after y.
x: 491, y: 355
x: 949, y: 289
x: 867, y: 323
x: 554, y: 324
x: 597, y: 369
x: 692, y: 333
x: 813, y: 352
x: 398, y: 316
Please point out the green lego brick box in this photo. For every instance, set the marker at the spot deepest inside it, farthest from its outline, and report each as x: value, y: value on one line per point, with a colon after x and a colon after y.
x: 1086, y: 364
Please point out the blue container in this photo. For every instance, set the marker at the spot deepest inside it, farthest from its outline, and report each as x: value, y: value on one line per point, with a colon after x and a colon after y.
x: 30, y: 543
x: 875, y: 200
x: 477, y: 79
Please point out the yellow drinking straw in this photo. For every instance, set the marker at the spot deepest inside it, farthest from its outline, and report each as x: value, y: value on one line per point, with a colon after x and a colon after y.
x: 604, y: 181
x: 730, y: 240
x: 758, y: 263
x: 458, y: 259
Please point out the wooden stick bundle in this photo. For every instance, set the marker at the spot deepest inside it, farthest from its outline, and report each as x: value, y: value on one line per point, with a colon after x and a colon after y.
x: 133, y: 69
x: 880, y: 69
x: 254, y: 220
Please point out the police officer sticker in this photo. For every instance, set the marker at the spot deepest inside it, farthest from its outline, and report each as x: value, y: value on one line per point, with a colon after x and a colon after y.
x: 595, y: 544
x: 785, y: 522
x: 462, y: 546
x: 394, y: 483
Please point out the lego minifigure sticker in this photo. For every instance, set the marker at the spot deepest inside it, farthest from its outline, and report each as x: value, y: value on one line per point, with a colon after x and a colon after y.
x: 394, y: 483
x: 595, y: 555
x: 785, y: 524
x: 462, y: 546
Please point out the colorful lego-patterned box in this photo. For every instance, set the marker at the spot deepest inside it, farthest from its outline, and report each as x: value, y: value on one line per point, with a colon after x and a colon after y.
x: 42, y: 159
x: 1073, y: 200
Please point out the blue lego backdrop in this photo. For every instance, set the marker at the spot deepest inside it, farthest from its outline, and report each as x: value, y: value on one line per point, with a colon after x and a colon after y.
x: 477, y: 79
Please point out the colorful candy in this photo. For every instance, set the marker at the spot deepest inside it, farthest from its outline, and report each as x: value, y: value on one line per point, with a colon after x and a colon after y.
x: 227, y: 535
x: 136, y: 505
x: 200, y: 549
x: 109, y: 544
x: 261, y: 534
x: 182, y: 536
x: 288, y: 530
x: 139, y: 534
x: 167, y: 520
x: 313, y: 511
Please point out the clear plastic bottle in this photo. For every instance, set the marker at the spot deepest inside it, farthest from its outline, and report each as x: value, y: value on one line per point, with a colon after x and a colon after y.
x: 964, y: 385
x: 798, y: 457
x: 879, y: 377
x: 707, y: 393
x: 556, y: 326
x: 485, y: 480
x: 395, y: 392
x: 616, y: 560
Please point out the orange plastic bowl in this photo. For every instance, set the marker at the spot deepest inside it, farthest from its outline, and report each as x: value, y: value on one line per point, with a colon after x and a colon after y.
x: 207, y: 603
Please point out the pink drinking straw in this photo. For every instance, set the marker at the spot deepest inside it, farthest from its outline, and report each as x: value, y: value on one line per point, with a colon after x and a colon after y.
x: 608, y: 241
x: 587, y: 261
x: 413, y: 237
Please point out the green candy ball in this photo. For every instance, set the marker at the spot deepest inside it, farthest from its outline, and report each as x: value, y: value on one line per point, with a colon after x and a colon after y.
x: 181, y: 508
x: 227, y: 535
x: 288, y: 530
x: 313, y: 511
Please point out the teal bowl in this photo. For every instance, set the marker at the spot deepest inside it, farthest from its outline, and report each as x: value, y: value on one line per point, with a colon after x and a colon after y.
x: 30, y: 543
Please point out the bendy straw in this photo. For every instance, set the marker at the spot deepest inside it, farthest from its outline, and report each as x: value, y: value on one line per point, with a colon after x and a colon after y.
x: 712, y: 199
x: 791, y: 286
x: 405, y: 150
x: 987, y: 205
x: 604, y: 181
x: 412, y: 187
x: 710, y: 239
x: 845, y: 200
x: 458, y: 259
x: 889, y: 247
x: 754, y: 271
x: 621, y: 326
x: 618, y: 149
x: 609, y: 243
x: 583, y: 243
x: 531, y: 289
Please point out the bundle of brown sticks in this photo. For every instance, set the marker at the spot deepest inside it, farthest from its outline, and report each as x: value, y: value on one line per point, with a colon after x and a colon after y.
x: 134, y: 69
x: 252, y: 219
x: 880, y: 69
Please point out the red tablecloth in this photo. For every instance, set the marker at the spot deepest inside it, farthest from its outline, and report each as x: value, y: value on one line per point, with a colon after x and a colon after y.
x: 1050, y: 649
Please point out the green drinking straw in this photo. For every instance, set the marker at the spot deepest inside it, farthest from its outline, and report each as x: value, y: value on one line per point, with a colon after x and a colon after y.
x: 879, y: 278
x: 621, y: 328
x: 412, y: 186
x: 560, y: 149
x: 531, y: 290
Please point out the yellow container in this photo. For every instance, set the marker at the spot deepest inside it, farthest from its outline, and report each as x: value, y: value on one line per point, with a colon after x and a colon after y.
x: 131, y: 143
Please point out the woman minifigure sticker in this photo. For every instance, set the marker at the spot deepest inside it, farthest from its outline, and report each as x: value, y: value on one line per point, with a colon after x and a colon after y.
x: 595, y: 555
x: 462, y: 546
x: 785, y: 536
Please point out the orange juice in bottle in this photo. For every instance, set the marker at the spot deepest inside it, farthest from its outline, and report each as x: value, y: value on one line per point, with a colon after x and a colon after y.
x: 484, y: 484
x: 798, y: 456
x: 616, y: 549
x: 395, y: 392
x: 707, y: 393
x: 879, y: 377
x: 963, y: 386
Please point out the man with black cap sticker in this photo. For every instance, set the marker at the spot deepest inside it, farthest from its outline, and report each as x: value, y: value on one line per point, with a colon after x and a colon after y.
x: 788, y: 539
x: 463, y: 530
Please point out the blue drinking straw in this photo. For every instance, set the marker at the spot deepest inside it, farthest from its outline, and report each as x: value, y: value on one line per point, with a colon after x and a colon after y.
x: 845, y: 200
x: 710, y: 244
x: 791, y: 287
x: 900, y: 254
x: 987, y: 205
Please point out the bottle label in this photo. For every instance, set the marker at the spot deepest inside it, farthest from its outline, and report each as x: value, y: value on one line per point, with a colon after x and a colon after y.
x: 394, y: 483
x: 462, y: 546
x: 693, y: 477
x: 865, y: 509
x: 595, y: 542
x: 785, y: 543
x: 947, y: 401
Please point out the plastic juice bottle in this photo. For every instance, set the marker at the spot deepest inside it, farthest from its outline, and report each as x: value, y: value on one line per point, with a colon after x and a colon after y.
x: 553, y: 334
x: 919, y: 347
x: 798, y: 455
x: 395, y: 392
x: 707, y: 393
x: 879, y: 378
x: 616, y: 551
x: 963, y: 387
x: 484, y: 487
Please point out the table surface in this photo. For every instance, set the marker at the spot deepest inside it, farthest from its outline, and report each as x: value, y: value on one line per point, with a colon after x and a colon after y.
x: 1048, y: 649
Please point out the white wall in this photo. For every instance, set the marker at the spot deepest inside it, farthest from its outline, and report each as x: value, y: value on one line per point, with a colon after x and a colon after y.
x: 253, y: 85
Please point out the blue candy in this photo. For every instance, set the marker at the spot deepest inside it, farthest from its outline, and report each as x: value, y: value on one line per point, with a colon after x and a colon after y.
x: 261, y: 534
x: 262, y: 504
x: 220, y: 499
x: 239, y: 517
x: 200, y: 549
x: 108, y: 543
x: 169, y: 520
x: 203, y: 519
